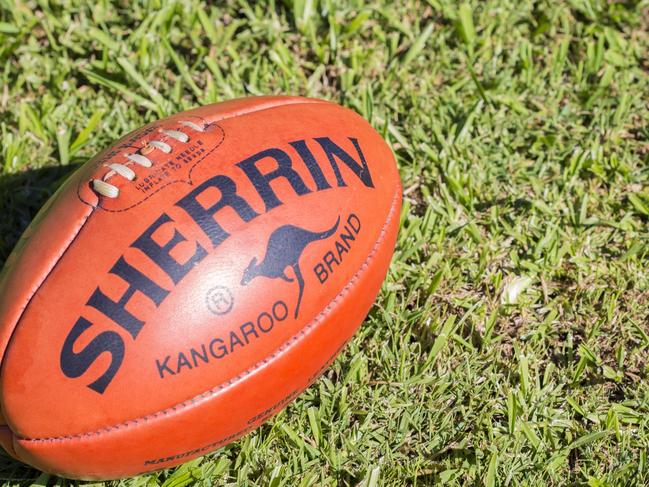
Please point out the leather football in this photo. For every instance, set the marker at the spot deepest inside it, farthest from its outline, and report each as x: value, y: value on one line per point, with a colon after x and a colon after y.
x: 187, y: 283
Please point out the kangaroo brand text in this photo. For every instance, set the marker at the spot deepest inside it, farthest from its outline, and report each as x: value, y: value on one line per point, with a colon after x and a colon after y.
x: 340, y: 247
x: 222, y: 346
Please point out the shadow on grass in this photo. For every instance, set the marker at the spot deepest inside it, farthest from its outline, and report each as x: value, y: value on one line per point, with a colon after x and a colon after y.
x: 12, y: 472
x: 21, y: 196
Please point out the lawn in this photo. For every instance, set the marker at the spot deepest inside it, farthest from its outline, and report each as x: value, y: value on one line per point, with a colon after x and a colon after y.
x: 510, y: 342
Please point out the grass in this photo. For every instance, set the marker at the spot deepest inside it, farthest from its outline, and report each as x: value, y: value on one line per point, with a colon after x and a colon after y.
x: 509, y: 345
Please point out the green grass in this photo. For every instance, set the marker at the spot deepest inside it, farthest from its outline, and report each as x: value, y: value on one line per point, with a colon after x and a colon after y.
x: 509, y: 345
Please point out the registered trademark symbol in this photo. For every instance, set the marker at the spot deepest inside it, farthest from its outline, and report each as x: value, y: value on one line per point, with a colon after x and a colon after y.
x: 219, y: 300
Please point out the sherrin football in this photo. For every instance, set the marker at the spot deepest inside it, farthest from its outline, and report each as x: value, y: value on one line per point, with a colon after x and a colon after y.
x: 190, y: 281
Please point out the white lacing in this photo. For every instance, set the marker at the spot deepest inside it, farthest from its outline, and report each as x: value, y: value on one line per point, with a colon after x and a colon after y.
x: 104, y: 188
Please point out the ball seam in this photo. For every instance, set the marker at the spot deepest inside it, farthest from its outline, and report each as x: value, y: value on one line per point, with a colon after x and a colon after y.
x: 64, y: 249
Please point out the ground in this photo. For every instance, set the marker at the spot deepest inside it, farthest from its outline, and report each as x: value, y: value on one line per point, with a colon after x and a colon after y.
x: 509, y: 344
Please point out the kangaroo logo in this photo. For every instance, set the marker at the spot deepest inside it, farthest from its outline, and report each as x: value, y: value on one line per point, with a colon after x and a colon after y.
x: 285, y: 246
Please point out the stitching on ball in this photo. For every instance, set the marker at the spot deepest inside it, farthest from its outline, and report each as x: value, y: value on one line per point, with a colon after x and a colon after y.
x: 189, y: 182
x: 212, y: 392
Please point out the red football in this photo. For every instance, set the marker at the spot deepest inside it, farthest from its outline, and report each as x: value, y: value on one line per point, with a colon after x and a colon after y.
x: 191, y: 280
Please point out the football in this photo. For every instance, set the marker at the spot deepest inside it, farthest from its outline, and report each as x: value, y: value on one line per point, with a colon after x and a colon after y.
x: 190, y: 281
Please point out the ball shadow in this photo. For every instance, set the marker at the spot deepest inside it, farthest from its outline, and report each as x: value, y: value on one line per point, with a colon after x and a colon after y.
x: 21, y: 196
